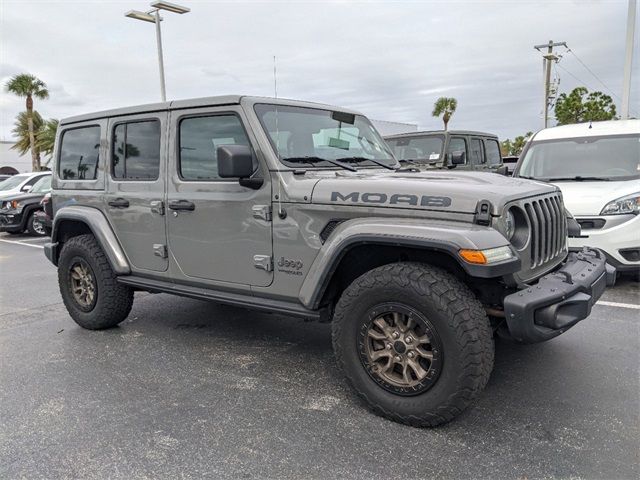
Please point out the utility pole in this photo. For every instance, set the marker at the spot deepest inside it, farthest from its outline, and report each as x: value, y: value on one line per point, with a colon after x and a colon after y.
x: 626, y: 83
x: 547, y: 59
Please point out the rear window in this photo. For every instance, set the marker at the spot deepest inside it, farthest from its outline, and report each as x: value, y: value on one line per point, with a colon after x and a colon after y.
x: 80, y: 154
x: 136, y: 151
x: 417, y: 148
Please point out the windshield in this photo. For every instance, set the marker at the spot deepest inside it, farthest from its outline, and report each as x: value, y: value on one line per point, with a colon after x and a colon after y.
x: 595, y: 158
x: 425, y: 149
x: 13, y: 182
x: 322, y: 137
x: 42, y: 186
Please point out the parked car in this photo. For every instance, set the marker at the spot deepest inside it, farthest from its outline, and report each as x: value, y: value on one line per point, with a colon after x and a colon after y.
x: 44, y: 217
x: 299, y: 208
x: 20, y: 183
x: 597, y: 167
x: 510, y: 161
x: 461, y: 149
x: 17, y: 212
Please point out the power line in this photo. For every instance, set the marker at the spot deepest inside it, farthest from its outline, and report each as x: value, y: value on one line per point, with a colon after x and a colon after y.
x: 592, y: 73
x: 581, y: 82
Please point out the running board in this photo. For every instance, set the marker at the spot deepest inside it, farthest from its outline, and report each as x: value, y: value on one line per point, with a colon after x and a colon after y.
x: 235, y: 299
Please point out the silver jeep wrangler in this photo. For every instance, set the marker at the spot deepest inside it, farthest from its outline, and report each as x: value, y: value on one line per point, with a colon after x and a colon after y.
x: 301, y: 209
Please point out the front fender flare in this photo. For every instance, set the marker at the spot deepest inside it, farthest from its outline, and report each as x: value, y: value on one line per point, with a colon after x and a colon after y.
x: 441, y: 235
x: 99, y: 226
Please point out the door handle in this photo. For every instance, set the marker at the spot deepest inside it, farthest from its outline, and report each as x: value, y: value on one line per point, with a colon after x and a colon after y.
x: 182, y: 205
x: 119, y: 203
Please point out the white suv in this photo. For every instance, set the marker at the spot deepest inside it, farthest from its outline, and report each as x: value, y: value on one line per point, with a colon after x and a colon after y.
x: 597, y: 167
x: 20, y: 183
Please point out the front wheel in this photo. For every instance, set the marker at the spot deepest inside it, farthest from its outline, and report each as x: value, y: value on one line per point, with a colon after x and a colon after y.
x: 35, y: 227
x: 413, y: 342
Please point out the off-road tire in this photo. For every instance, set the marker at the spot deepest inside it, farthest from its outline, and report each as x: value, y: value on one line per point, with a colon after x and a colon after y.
x: 113, y: 300
x: 458, y: 319
x: 31, y: 230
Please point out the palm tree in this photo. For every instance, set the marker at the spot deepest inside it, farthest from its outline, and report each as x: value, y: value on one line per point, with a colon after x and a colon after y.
x: 28, y: 86
x: 46, y: 137
x: 21, y: 133
x: 444, y: 106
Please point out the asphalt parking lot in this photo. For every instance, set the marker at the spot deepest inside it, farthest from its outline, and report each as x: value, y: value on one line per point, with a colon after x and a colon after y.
x: 188, y: 389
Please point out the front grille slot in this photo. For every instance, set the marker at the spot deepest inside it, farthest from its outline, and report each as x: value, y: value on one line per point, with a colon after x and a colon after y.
x: 548, y: 229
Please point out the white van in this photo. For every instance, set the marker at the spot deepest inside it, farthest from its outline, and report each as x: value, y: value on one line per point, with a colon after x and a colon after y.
x: 597, y: 167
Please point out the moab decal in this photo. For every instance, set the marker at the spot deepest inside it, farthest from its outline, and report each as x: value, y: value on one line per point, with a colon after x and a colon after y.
x: 395, y: 199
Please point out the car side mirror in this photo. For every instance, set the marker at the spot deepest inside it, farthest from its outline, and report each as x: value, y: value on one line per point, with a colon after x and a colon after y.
x: 458, y: 158
x: 26, y: 189
x: 502, y: 170
x: 236, y: 161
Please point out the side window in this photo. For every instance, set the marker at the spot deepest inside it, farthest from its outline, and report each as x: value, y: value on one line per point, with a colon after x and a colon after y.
x: 33, y: 181
x: 492, y: 149
x: 477, y: 154
x: 79, y: 154
x: 200, y: 138
x: 135, y: 151
x: 458, y: 144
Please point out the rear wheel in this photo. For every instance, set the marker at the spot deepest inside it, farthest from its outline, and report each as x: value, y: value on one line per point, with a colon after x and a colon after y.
x: 414, y: 343
x: 90, y: 291
x: 34, y: 227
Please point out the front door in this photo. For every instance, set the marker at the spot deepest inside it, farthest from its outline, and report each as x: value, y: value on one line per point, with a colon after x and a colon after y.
x: 135, y: 189
x: 219, y: 231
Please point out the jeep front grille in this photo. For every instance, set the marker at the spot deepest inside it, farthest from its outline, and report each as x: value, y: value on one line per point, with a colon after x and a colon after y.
x: 548, y: 222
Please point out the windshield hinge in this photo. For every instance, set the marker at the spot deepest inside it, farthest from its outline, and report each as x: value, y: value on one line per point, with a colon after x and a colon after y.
x: 263, y: 262
x: 262, y: 212
x: 483, y: 213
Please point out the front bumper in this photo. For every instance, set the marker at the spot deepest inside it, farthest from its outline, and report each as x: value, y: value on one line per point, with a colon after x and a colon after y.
x: 560, y: 299
x: 10, y: 222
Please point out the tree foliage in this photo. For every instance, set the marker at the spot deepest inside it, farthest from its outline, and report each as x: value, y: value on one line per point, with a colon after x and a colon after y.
x: 581, y: 106
x: 21, y: 131
x: 445, y: 106
x: 46, y: 136
x: 515, y: 146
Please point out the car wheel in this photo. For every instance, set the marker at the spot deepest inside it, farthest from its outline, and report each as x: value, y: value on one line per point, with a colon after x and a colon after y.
x: 34, y: 227
x: 414, y: 343
x: 89, y: 288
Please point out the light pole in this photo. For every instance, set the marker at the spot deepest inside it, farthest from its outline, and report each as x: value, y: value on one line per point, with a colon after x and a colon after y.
x: 153, y: 16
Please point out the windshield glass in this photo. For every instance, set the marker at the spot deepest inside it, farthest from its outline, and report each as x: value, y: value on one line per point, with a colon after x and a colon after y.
x: 606, y: 158
x: 322, y: 136
x: 13, y: 182
x: 42, y: 186
x: 425, y: 149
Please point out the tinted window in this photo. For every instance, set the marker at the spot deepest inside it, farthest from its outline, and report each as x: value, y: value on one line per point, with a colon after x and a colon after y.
x: 458, y: 144
x: 417, y: 148
x: 492, y: 149
x: 477, y: 156
x: 79, y: 154
x: 200, y: 138
x: 136, y: 151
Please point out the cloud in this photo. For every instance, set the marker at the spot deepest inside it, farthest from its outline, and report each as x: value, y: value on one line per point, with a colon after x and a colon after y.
x: 390, y: 60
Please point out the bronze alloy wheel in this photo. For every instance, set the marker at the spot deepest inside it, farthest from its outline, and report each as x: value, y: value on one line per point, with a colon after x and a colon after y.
x: 400, y: 349
x: 83, y: 284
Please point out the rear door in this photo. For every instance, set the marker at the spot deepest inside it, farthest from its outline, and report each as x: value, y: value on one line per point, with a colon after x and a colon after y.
x: 219, y: 231
x: 134, y: 199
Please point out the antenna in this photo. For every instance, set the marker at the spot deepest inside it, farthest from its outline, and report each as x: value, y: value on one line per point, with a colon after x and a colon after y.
x: 281, y: 213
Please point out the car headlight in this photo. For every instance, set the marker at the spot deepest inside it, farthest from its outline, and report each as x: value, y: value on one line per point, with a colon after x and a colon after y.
x: 624, y: 205
x: 509, y: 225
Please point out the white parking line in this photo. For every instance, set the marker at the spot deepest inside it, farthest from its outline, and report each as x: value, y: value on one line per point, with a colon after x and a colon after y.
x: 21, y: 243
x: 617, y: 304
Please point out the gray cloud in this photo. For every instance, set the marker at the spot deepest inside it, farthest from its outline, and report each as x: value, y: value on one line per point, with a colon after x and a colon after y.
x: 390, y: 60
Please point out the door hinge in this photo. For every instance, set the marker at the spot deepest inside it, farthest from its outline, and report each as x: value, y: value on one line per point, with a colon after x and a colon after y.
x: 160, y: 250
x: 157, y: 206
x: 262, y: 212
x: 263, y: 262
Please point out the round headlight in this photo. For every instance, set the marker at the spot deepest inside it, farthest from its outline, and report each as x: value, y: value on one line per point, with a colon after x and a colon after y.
x: 510, y: 225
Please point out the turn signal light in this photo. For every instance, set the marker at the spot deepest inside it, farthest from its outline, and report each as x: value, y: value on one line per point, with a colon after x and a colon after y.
x: 474, y: 256
x: 488, y: 256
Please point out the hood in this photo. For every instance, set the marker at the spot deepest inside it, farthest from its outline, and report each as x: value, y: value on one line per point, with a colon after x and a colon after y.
x: 438, y: 190
x: 589, y: 198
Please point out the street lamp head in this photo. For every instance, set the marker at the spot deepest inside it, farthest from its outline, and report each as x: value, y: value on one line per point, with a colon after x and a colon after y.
x: 172, y: 7
x: 145, y: 17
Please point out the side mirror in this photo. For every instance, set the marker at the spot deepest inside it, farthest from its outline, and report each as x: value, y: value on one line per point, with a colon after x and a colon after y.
x: 502, y: 170
x: 458, y: 158
x: 236, y: 161
x: 26, y: 189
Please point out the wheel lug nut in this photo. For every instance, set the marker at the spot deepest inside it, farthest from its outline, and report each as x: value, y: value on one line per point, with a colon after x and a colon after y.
x: 397, y: 358
x: 409, y: 339
x: 389, y: 346
x: 411, y: 354
x: 395, y: 335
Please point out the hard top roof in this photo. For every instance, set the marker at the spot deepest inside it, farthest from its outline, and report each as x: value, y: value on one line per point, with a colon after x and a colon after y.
x: 440, y: 132
x: 221, y: 100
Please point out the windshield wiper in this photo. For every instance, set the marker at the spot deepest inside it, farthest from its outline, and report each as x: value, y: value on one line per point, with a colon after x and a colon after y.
x: 312, y: 160
x: 363, y: 159
x: 578, y: 178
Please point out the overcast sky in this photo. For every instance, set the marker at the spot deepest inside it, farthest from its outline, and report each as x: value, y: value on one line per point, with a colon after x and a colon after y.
x: 390, y: 60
